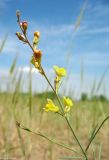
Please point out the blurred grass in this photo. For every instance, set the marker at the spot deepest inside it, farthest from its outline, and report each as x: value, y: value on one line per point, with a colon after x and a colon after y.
x: 3, y: 43
x: 84, y: 117
x: 12, y: 68
x: 79, y: 18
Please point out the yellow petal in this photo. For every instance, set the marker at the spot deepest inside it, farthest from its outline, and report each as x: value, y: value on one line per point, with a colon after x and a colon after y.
x: 50, y: 106
x: 59, y: 71
x: 67, y: 102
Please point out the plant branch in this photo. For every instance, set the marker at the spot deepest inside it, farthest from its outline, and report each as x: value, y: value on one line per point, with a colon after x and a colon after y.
x: 96, y: 133
x: 46, y: 137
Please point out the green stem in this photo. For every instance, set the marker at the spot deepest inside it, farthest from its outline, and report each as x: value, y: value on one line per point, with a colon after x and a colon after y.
x: 76, y: 137
x: 96, y: 133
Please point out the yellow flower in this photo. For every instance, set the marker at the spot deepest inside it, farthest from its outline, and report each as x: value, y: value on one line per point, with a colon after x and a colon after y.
x: 68, y: 104
x: 50, y: 106
x: 59, y: 71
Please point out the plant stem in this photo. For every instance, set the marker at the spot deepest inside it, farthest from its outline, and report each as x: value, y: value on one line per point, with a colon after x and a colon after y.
x: 68, y: 122
x: 96, y: 133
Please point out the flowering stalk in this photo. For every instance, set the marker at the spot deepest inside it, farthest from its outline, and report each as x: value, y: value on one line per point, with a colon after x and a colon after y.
x: 60, y: 72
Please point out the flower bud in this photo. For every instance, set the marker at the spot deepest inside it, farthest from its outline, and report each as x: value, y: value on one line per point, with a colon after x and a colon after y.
x: 37, y: 54
x: 24, y: 26
x: 36, y: 61
x: 21, y: 37
x: 18, y: 13
x: 37, y: 34
x: 36, y: 39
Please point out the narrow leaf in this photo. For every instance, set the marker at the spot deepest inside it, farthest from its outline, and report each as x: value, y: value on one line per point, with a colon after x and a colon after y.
x: 78, y: 22
x: 3, y: 43
x: 12, y: 68
x: 101, y: 79
x: 100, y: 149
x: 30, y: 90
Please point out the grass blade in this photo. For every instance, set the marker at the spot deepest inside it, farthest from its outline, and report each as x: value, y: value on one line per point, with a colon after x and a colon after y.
x: 82, y: 73
x: 21, y: 142
x: 3, y: 43
x: 100, y: 150
x: 12, y: 68
x: 101, y: 79
x: 94, y: 156
x: 17, y: 88
x: 14, y: 103
x: 71, y: 157
x: 30, y: 90
x: 93, y: 88
x: 79, y: 19
x: 93, y: 132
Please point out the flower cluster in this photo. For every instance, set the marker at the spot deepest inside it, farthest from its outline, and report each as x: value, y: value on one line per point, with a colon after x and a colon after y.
x: 50, y: 106
x: 67, y: 102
